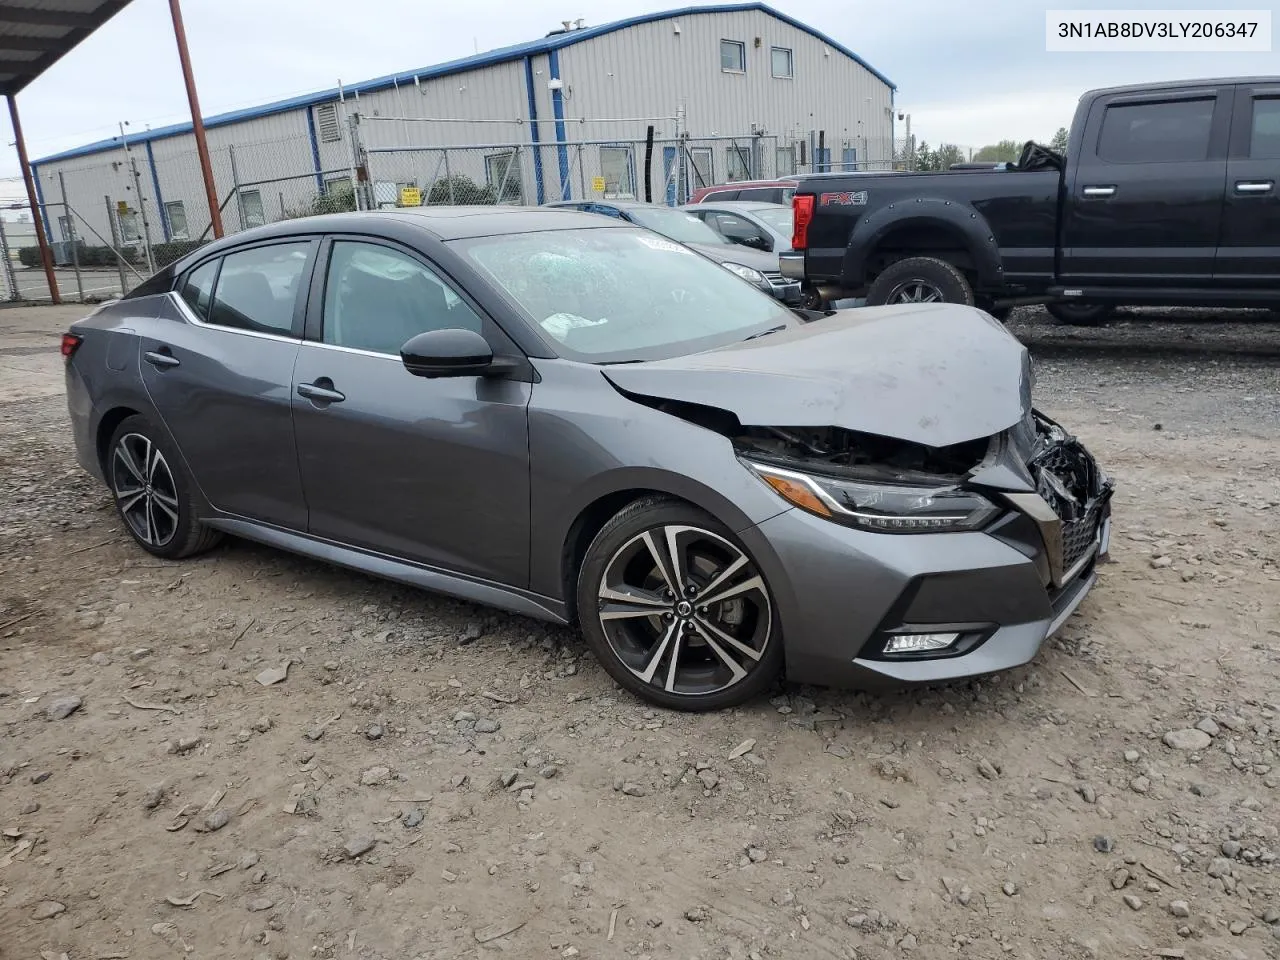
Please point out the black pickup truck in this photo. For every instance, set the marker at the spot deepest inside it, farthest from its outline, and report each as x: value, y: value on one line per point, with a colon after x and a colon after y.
x: 1167, y: 196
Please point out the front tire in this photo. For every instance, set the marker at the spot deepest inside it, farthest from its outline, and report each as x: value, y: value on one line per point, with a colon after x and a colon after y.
x: 920, y: 280
x: 153, y: 493
x: 676, y: 610
x: 1080, y: 314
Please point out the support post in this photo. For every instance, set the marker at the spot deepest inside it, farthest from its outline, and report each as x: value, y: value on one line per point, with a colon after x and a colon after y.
x: 9, y: 277
x: 115, y: 245
x: 197, y: 121
x: 71, y: 234
x: 235, y: 184
x: 46, y: 255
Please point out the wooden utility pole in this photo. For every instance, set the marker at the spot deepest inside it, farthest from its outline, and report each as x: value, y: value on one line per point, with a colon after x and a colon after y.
x: 46, y: 255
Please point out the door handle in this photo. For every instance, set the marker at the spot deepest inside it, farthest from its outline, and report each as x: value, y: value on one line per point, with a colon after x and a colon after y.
x: 321, y: 391
x: 1254, y: 186
x: 161, y: 359
x: 1099, y: 191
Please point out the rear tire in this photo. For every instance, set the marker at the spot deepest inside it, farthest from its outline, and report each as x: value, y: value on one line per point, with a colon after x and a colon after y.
x: 1080, y: 314
x: 676, y: 610
x: 920, y: 280
x: 152, y: 492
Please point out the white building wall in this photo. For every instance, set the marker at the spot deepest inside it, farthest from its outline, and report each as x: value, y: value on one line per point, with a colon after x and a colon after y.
x: 645, y: 72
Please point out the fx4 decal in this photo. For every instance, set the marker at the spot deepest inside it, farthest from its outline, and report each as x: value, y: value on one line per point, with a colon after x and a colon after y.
x: 858, y: 198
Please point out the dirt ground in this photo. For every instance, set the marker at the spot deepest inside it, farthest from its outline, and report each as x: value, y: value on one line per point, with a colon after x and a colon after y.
x: 436, y: 780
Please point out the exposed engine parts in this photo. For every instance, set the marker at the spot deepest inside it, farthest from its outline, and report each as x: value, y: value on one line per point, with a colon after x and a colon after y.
x: 836, y: 451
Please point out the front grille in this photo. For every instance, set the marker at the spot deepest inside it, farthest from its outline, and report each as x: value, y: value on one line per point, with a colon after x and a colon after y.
x: 1069, y: 481
x: 1078, y: 536
x: 776, y: 279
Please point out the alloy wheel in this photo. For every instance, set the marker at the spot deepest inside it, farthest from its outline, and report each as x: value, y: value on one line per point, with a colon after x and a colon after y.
x: 144, y: 489
x: 915, y: 291
x: 685, y: 610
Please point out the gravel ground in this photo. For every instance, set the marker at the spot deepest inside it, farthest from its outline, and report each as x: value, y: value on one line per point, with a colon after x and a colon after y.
x: 432, y: 779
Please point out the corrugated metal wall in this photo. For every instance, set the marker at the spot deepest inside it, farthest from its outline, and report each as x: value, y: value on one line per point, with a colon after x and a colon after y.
x: 640, y: 72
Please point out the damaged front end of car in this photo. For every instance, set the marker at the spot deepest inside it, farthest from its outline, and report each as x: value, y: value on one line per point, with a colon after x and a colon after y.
x: 1033, y: 487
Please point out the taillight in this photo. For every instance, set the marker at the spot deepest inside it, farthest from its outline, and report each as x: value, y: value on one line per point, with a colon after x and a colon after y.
x: 70, y: 343
x: 802, y: 211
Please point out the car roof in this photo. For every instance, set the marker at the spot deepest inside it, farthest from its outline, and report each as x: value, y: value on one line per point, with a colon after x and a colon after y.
x: 444, y: 223
x: 1179, y: 85
x: 746, y: 206
x: 748, y: 184
x: 619, y: 204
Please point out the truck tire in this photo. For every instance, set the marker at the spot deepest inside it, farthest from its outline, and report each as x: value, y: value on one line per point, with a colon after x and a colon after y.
x: 1080, y: 314
x: 920, y: 280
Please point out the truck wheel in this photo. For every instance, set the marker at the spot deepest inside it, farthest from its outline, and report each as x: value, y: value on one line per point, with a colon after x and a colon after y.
x: 1080, y: 314
x: 920, y: 280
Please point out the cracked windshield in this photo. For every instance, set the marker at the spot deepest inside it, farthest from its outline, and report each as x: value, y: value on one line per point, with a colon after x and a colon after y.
x: 616, y: 295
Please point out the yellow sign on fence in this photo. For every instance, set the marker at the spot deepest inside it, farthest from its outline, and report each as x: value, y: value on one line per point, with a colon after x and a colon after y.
x: 597, y: 184
x: 410, y: 197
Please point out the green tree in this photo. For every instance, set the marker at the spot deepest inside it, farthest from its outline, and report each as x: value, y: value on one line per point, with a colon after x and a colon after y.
x: 1006, y: 151
x: 1059, y: 142
x: 948, y: 154
x: 925, y: 158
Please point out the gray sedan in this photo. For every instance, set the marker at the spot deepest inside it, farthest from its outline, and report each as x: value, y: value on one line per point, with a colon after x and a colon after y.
x: 749, y: 223
x: 579, y: 420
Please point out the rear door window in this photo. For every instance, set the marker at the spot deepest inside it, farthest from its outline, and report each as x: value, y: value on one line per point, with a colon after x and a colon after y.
x: 258, y: 288
x: 1164, y: 132
x: 1264, y: 139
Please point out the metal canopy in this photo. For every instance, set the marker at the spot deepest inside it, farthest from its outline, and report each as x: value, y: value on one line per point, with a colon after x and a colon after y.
x: 36, y: 34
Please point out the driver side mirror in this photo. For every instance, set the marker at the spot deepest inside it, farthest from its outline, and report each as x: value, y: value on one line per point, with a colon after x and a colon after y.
x: 758, y: 242
x: 450, y: 353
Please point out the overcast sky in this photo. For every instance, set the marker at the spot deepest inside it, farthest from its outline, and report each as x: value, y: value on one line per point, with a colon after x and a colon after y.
x: 969, y: 72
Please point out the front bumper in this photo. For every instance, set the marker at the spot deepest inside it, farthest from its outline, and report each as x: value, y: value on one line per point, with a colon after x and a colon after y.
x: 842, y: 592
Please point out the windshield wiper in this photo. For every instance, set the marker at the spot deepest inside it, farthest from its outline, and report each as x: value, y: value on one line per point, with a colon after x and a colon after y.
x: 765, y: 333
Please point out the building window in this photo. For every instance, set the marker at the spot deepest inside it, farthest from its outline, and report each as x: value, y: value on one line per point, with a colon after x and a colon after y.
x: 327, y: 121
x: 738, y: 162
x: 782, y: 65
x: 786, y: 161
x: 177, y: 216
x: 502, y: 170
x: 616, y: 167
x: 66, y: 228
x: 733, y: 56
x: 703, y: 173
x: 251, y: 212
x: 129, y: 232
x: 337, y: 186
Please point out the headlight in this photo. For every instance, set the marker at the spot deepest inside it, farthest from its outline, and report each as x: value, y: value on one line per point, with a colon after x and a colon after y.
x: 879, y: 507
x: 746, y: 273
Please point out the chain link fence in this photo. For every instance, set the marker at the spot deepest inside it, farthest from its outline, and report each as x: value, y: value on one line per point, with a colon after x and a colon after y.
x: 114, y: 217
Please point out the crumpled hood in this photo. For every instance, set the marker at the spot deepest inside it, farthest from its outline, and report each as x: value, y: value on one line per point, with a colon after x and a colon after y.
x: 936, y: 374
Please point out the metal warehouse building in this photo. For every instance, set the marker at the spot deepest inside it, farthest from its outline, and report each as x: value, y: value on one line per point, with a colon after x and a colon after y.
x: 650, y: 107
